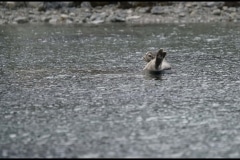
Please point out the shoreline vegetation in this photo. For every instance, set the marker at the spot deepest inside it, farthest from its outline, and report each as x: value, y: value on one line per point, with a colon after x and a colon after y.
x: 132, y: 12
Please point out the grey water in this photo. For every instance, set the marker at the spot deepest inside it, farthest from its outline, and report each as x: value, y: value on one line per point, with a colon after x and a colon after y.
x: 79, y: 91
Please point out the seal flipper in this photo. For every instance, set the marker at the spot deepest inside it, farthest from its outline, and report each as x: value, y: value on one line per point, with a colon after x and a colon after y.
x: 159, y: 58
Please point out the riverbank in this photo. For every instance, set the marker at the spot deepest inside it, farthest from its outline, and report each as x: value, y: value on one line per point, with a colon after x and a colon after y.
x: 90, y: 13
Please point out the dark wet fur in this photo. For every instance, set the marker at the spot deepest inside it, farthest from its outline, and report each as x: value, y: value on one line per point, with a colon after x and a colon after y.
x: 159, y: 58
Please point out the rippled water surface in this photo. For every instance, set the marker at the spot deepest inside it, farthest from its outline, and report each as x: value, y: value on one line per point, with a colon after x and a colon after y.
x: 79, y: 91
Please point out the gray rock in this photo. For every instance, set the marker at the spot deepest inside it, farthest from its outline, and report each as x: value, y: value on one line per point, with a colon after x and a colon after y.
x: 143, y: 9
x: 97, y: 16
x: 21, y: 19
x: 182, y: 15
x: 35, y: 4
x: 52, y: 5
x: 45, y: 19
x: 53, y: 21
x: 132, y: 18
x: 115, y: 18
x: 84, y: 17
x: 2, y: 21
x: 158, y: 10
x: 210, y: 4
x: 68, y: 21
x: 86, y: 4
x: 188, y: 4
x: 97, y: 21
x: 178, y: 10
x: 216, y: 12
x: 72, y: 14
x: 193, y: 13
x: 232, y: 9
x: 11, y: 5
x: 48, y: 13
x: 78, y: 20
x: 8, y: 13
x: 64, y: 16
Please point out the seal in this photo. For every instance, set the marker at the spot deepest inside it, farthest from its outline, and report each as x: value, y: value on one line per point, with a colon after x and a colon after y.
x: 156, y: 61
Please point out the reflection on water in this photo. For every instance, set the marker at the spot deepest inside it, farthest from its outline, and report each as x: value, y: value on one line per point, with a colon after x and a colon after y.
x: 157, y: 75
x: 79, y: 91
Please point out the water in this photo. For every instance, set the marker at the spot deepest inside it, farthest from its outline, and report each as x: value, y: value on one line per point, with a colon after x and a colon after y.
x: 79, y: 91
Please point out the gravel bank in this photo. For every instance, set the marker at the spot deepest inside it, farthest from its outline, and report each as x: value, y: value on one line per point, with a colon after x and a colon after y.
x: 106, y: 12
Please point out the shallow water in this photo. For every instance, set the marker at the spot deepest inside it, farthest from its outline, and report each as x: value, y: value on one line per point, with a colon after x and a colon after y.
x: 79, y: 91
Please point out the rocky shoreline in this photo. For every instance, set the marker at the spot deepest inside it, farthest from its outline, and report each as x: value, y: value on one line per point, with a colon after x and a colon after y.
x: 118, y: 12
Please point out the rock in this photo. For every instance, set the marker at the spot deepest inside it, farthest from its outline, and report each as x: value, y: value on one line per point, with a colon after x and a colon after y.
x: 53, y: 21
x: 115, y: 18
x: 64, y: 10
x: 232, y: 9
x: 182, y: 15
x: 233, y: 15
x: 193, y: 13
x: 35, y: 4
x: 14, y: 5
x: 11, y: 5
x: 72, y: 14
x: 64, y: 16
x: 143, y: 9
x: 132, y: 17
x: 21, y: 19
x: 30, y: 12
x: 210, y: 4
x: 68, y: 21
x: 98, y: 21
x: 8, y: 13
x: 41, y: 7
x: 225, y: 8
x: 67, y: 4
x: 3, y: 22
x: 129, y: 11
x: 48, y: 13
x: 45, y: 19
x: 52, y: 5
x: 86, y: 5
x: 189, y: 4
x: 84, y: 17
x: 157, y: 10
x: 216, y: 12
x: 98, y: 18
